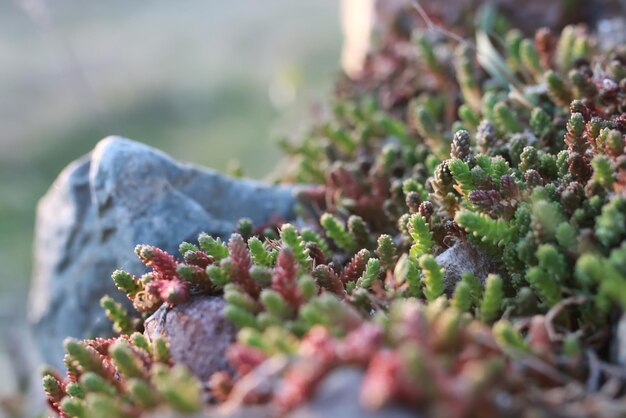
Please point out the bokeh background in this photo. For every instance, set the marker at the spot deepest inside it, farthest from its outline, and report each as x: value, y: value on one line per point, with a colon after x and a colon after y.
x: 207, y: 81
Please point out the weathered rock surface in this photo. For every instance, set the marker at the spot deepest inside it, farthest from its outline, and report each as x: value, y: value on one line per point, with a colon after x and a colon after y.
x: 248, y: 411
x: 463, y: 257
x: 338, y: 395
x: 197, y: 332
x: 102, y: 205
x: 618, y: 342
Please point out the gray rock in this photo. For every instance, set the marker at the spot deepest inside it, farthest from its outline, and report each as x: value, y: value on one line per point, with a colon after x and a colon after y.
x: 338, y: 396
x: 167, y: 413
x: 247, y: 411
x: 124, y: 193
x: 618, y: 342
x: 197, y: 332
x: 463, y: 257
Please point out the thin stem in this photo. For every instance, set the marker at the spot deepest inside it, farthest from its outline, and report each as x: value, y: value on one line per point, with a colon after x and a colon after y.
x: 433, y: 27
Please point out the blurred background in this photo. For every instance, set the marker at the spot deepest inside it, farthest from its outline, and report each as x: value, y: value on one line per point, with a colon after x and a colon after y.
x: 208, y: 82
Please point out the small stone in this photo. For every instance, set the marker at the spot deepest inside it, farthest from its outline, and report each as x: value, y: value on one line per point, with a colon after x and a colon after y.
x: 245, y: 411
x: 198, y: 334
x: 618, y: 343
x: 337, y: 396
x: 461, y: 258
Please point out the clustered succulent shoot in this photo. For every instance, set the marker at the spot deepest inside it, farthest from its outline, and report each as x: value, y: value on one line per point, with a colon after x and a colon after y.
x: 120, y: 377
x: 511, y: 145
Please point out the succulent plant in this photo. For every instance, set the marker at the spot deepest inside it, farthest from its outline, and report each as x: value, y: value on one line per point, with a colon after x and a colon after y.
x: 120, y: 377
x: 513, y: 145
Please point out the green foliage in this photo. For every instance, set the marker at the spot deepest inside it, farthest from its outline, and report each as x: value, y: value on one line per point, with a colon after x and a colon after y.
x: 213, y: 246
x: 143, y: 393
x: 552, y: 262
x: 372, y: 271
x: 611, y: 282
x: 140, y: 341
x: 540, y: 122
x: 493, y: 297
x: 462, y: 298
x: 235, y: 297
x: 240, y: 317
x: 179, y: 387
x: 260, y: 253
x: 125, y: 359
x: 426, y: 125
x: 244, y: 227
x: 126, y: 282
x: 309, y: 235
x: 290, y: 237
x: 93, y: 382
x: 462, y: 175
x: 307, y: 286
x: 546, y: 217
x: 421, y: 235
x: 548, y: 289
x: 406, y: 271
x: 474, y: 285
x: 614, y: 142
x: 336, y: 231
x: 566, y: 235
x: 75, y: 390
x: 529, y: 57
x: 611, y: 224
x: 558, y: 88
x: 73, y: 407
x: 513, y: 42
x: 83, y: 355
x: 466, y: 76
x: 492, y: 231
x: 120, y: 377
x: 52, y: 387
x: 505, y: 119
x: 275, y: 304
x: 122, y: 322
x: 386, y: 251
x: 340, y: 137
x: 217, y: 275
x: 469, y: 117
x: 433, y: 277
x: 160, y: 350
x: 428, y: 53
x: 529, y: 159
x: 359, y: 230
x: 508, y: 338
x: 565, y: 49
